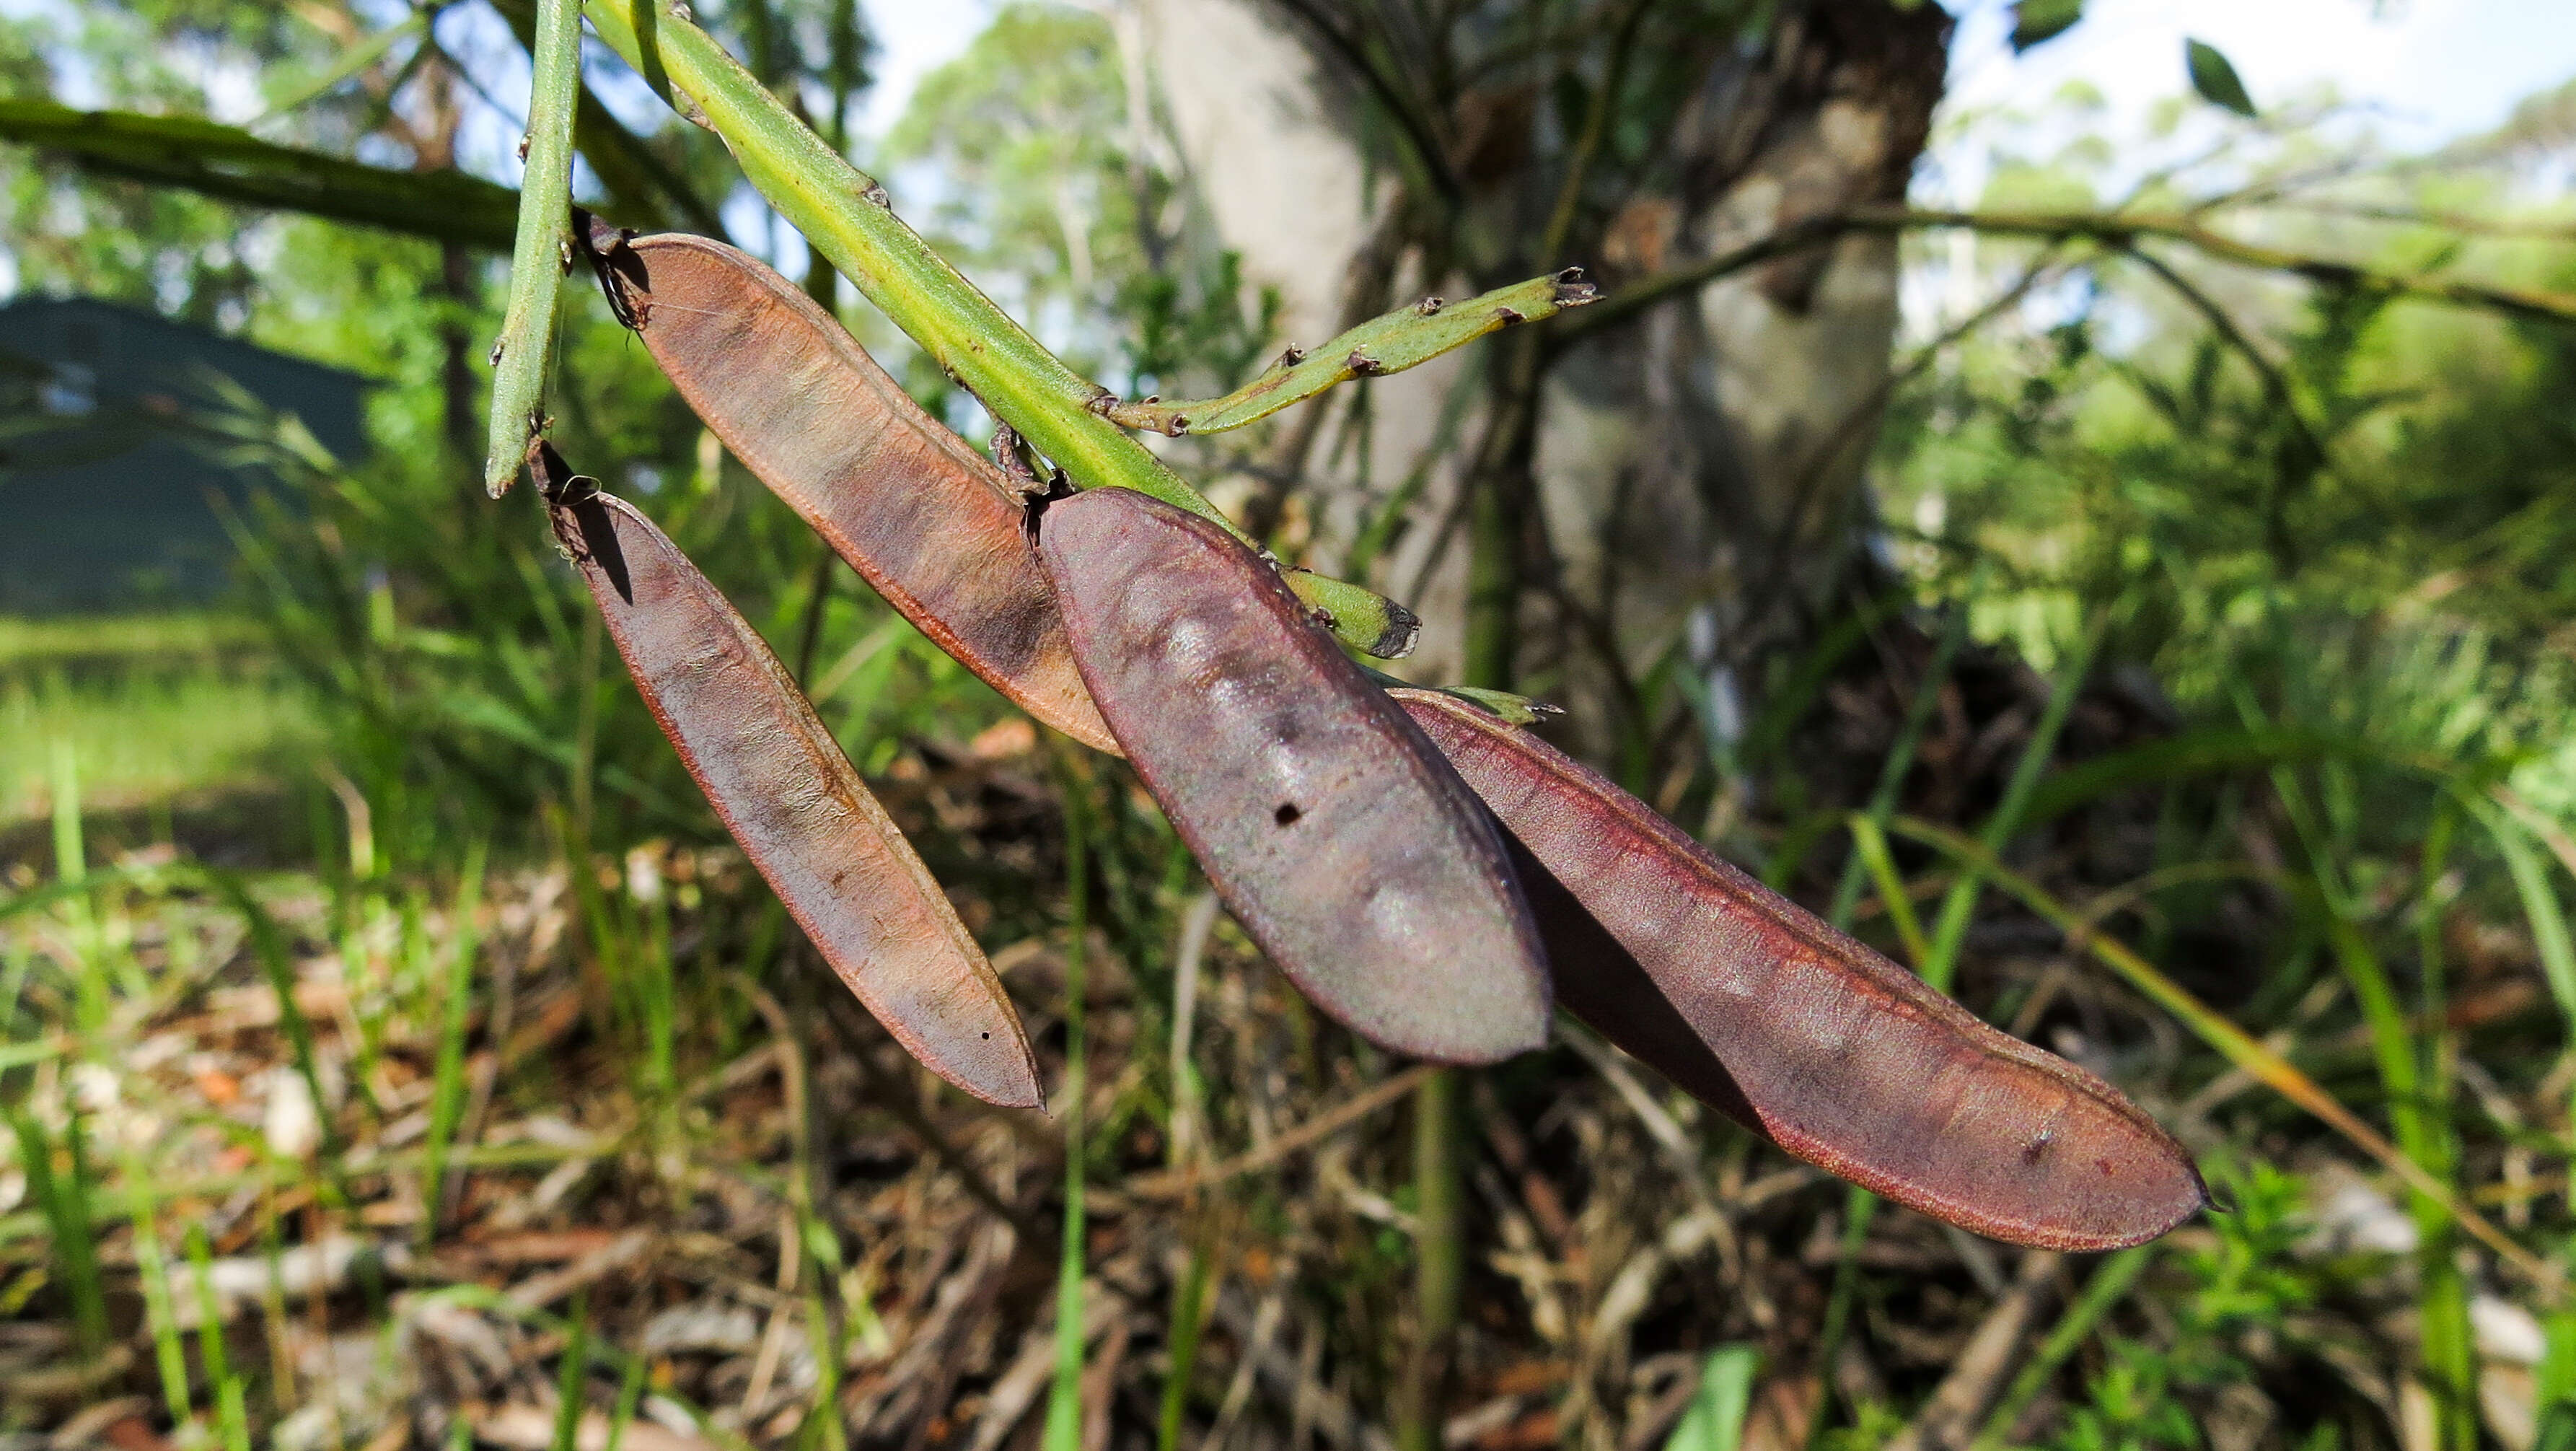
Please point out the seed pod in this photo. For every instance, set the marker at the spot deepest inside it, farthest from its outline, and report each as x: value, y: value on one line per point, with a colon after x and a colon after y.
x: 1801, y: 1033
x: 789, y: 796
x: 929, y: 522
x: 1343, y: 843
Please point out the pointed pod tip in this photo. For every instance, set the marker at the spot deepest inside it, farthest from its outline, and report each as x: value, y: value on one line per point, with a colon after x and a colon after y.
x: 1500, y: 1031
x: 1011, y: 1085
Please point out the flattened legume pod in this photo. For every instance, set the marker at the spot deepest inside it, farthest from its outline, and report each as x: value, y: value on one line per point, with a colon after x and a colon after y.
x: 1342, y: 842
x: 789, y: 796
x: 924, y: 518
x: 1759, y: 1009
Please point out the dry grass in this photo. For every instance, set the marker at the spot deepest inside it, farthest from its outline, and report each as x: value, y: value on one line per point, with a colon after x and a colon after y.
x: 784, y: 1233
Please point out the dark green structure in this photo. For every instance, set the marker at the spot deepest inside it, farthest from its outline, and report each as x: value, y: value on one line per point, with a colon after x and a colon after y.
x: 108, y: 492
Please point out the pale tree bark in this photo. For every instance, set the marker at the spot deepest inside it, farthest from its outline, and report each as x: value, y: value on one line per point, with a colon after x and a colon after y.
x: 1692, y: 479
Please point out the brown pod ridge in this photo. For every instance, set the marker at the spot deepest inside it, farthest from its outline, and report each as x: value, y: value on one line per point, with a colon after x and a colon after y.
x: 1339, y: 838
x: 1762, y: 1010
x: 929, y: 522
x: 793, y: 801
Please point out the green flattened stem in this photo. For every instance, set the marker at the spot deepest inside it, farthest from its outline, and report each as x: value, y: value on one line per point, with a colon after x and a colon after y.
x: 1405, y: 338
x: 1512, y: 709
x: 845, y: 216
x: 525, y: 352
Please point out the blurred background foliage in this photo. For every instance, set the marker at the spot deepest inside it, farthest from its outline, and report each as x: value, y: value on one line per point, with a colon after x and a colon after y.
x: 2310, y: 543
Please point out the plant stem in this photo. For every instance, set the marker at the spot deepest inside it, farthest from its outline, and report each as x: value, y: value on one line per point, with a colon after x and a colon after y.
x: 525, y: 353
x: 1438, y: 1261
x: 1064, y: 1399
x: 1493, y: 598
x: 844, y: 215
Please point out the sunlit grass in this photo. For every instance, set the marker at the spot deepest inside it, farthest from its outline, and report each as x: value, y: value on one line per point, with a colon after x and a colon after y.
x: 157, y: 705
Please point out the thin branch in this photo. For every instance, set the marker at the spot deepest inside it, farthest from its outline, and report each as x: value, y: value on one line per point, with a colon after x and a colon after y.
x: 230, y: 164
x: 2561, y: 232
x: 2110, y: 230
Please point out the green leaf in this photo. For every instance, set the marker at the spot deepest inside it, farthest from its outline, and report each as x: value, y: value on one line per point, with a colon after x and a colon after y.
x: 2215, y: 79
x: 2035, y: 21
x: 1715, y: 1420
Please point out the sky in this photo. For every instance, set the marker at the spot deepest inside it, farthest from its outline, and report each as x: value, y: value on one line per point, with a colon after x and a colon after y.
x: 2440, y: 68
x: 2437, y: 68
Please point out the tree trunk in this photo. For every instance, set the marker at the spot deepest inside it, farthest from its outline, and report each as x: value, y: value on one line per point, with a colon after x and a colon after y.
x: 1691, y: 479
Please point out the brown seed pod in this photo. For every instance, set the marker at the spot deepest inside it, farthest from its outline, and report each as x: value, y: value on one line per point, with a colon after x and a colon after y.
x: 1343, y: 843
x: 1799, y: 1032
x: 789, y: 796
x: 929, y: 522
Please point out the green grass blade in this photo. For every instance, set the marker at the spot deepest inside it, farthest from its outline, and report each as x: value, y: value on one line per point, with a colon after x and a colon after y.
x: 1941, y: 960
x: 572, y: 1375
x: 169, y: 1352
x: 71, y: 872
x: 1715, y: 1420
x: 2554, y: 1394
x: 64, y: 1202
x: 2108, y: 1287
x: 447, y: 1091
x: 1189, y: 1302
x: 2449, y: 1340
x: 1064, y: 1396
x: 630, y: 1393
x: 2540, y: 905
x: 71, y: 857
x: 268, y: 944
x: 232, y: 1414
x: 1900, y: 756
x: 1869, y: 845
